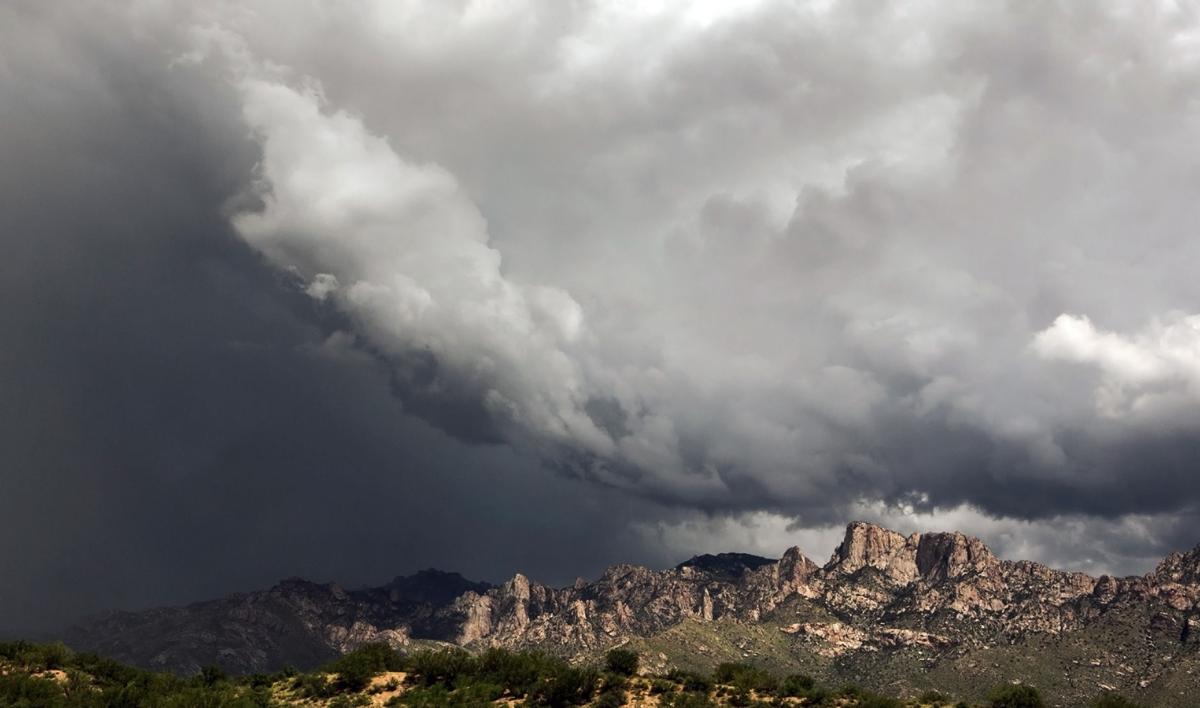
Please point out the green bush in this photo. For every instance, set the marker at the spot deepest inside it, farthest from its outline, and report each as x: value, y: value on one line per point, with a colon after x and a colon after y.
x: 796, y: 686
x: 439, y: 696
x: 444, y: 666
x: 1015, y: 696
x: 872, y: 700
x: 312, y: 686
x: 686, y: 700
x: 423, y: 697
x: 518, y: 673
x: 355, y: 669
x: 745, y: 677
x: 621, y: 661
x: 741, y: 697
x: 567, y: 686
x: 610, y: 699
x: 818, y: 696
x: 36, y: 657
x: 690, y: 681
x: 19, y: 690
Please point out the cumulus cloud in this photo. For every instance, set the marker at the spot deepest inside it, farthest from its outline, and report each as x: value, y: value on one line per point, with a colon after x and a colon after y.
x: 1151, y: 373
x: 777, y: 259
x: 399, y: 247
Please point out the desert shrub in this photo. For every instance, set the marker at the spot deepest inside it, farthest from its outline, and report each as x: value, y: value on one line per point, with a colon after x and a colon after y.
x: 355, y: 669
x: 479, y: 693
x: 873, y: 700
x: 349, y: 701
x: 353, y: 676
x: 517, y: 672
x: 818, y: 696
x: 741, y: 697
x: 686, y: 700
x: 746, y: 677
x: 311, y: 686
x: 105, y: 671
x: 796, y: 685
x: 660, y: 686
x: 690, y: 681
x: 933, y: 698
x: 437, y: 696
x: 566, y: 686
x: 1108, y: 699
x: 36, y: 657
x: 621, y: 661
x: 443, y: 666
x: 219, y: 696
x: 20, y: 690
x: 613, y: 682
x: 610, y: 698
x: 1015, y: 696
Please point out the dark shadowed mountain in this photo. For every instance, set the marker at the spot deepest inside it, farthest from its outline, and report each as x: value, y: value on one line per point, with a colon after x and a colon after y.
x: 893, y: 612
x: 730, y: 565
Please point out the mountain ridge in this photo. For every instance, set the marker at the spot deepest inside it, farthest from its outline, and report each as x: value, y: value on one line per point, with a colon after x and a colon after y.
x: 883, y: 603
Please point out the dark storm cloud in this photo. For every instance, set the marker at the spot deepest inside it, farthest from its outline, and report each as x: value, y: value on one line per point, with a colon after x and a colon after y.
x: 177, y: 421
x: 284, y: 281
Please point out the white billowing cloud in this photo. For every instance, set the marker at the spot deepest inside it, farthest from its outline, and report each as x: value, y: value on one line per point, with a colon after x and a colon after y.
x: 761, y: 258
x: 1154, y: 369
x: 403, y: 250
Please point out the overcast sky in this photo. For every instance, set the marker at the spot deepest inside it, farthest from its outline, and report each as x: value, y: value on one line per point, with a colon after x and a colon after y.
x: 348, y: 289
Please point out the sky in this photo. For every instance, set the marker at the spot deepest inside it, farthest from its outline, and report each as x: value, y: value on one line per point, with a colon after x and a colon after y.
x: 349, y: 289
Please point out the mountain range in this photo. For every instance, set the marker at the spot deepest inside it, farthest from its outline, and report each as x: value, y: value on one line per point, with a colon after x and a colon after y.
x: 891, y: 612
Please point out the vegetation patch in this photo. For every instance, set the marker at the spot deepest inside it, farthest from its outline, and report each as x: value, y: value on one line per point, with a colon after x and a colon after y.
x: 53, y: 676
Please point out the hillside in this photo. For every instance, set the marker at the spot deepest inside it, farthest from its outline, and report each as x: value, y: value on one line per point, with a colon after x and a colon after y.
x: 899, y: 614
x: 52, y: 676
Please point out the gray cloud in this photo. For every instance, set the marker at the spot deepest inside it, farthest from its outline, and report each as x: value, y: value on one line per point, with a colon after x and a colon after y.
x: 763, y: 268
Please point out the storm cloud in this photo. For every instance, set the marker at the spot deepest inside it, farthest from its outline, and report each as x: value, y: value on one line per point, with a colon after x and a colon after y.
x: 687, y: 275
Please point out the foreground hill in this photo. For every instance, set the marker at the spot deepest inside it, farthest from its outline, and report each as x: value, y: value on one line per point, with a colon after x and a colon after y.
x: 52, y: 676
x: 896, y: 613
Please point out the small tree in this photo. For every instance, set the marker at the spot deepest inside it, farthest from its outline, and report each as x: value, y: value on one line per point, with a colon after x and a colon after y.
x: 621, y: 661
x: 796, y: 685
x: 1016, y: 696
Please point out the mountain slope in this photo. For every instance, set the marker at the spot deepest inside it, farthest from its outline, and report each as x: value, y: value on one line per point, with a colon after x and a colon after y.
x: 889, y: 611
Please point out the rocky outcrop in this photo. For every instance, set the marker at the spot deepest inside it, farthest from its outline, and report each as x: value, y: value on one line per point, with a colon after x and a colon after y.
x: 886, y: 554
x: 881, y: 591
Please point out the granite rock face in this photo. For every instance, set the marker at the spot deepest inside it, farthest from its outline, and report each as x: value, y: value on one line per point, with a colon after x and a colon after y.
x: 942, y: 595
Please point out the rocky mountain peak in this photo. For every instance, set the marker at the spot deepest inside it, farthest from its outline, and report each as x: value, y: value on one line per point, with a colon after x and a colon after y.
x: 518, y: 587
x: 1179, y: 567
x: 944, y: 556
x: 868, y: 546
x: 795, y: 564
